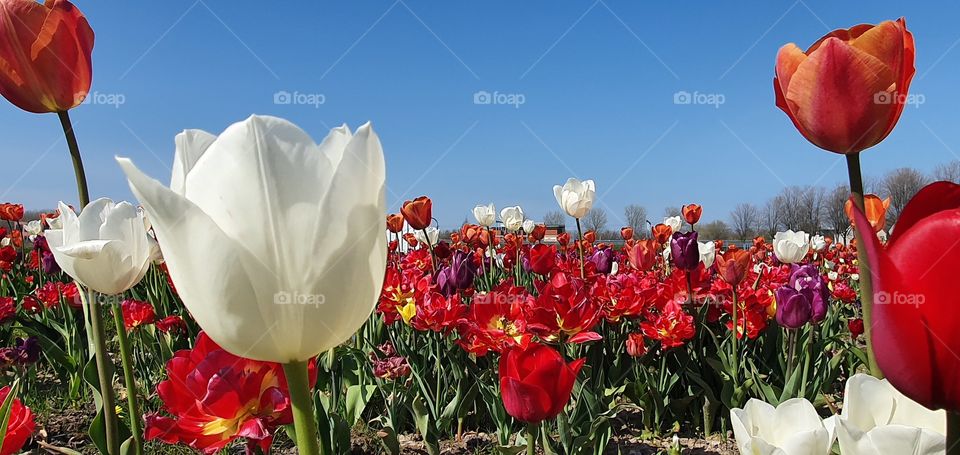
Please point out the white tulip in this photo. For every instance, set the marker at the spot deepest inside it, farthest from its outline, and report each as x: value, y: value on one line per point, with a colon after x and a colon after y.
x: 274, y: 242
x: 528, y: 226
x: 666, y: 253
x: 793, y: 428
x: 818, y: 242
x: 575, y: 197
x: 878, y: 419
x: 33, y: 228
x: 791, y: 247
x: 55, y: 223
x: 486, y: 215
x: 708, y: 253
x: 512, y: 218
x: 433, y: 235
x: 105, y: 249
x: 674, y: 222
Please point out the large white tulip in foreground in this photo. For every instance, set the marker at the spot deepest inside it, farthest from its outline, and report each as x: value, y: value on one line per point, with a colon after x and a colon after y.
x: 878, y: 419
x: 275, y: 243
x: 793, y: 428
x: 106, y: 248
x: 575, y: 197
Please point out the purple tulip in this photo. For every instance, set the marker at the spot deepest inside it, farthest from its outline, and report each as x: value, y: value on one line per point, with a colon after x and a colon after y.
x: 685, y: 250
x: 794, y: 308
x: 47, y: 261
x: 458, y: 275
x: 807, y: 277
x: 24, y: 352
x: 603, y: 260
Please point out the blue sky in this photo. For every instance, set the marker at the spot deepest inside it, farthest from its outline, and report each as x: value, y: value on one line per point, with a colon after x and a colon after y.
x: 597, y: 82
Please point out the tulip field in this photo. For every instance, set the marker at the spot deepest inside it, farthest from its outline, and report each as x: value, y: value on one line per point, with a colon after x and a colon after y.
x: 267, y: 301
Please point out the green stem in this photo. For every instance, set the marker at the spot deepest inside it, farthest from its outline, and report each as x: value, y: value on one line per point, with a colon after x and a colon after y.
x: 736, y: 330
x: 301, y: 400
x: 129, y: 379
x: 531, y: 437
x: 791, y: 352
x: 111, y: 427
x: 866, y: 277
x: 81, y: 176
x: 580, y: 247
x: 953, y: 433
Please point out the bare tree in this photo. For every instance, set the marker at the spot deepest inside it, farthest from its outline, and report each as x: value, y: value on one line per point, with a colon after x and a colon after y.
x: 745, y: 221
x: 900, y: 185
x: 636, y: 216
x: 554, y: 218
x: 596, y: 220
x: 672, y: 211
x: 834, y: 212
x: 714, y: 230
x: 948, y: 171
x: 770, y: 218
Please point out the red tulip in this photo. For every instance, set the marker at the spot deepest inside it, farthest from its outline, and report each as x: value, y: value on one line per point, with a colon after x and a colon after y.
x: 215, y: 397
x: 395, y: 222
x: 856, y: 327
x: 662, y: 233
x: 536, y: 382
x: 563, y: 239
x: 846, y: 92
x: 45, y: 55
x: 543, y: 258
x: 172, y: 324
x: 538, y: 232
x: 692, y: 213
x: 626, y: 233
x: 590, y: 237
x: 876, y: 210
x: 418, y: 212
x: 914, y: 326
x: 642, y: 254
x: 635, y: 346
x: 11, y: 212
x: 733, y: 265
x: 136, y: 313
x: 19, y: 427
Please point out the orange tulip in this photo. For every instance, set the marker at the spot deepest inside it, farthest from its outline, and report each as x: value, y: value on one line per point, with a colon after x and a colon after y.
x: 875, y: 208
x: 846, y: 92
x: 733, y: 265
x: 662, y: 233
x: 642, y: 255
x: 626, y: 233
x: 395, y: 222
x: 589, y: 237
x: 563, y: 239
x: 418, y: 212
x: 11, y: 212
x: 692, y: 213
x: 44, y: 55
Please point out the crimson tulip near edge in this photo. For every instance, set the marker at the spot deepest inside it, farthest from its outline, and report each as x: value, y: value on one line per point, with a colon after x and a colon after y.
x: 536, y: 382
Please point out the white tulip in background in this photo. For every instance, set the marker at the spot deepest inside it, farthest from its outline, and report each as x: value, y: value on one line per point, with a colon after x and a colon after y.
x: 433, y: 235
x: 832, y: 275
x: 528, y: 226
x: 793, y: 428
x: 486, y: 215
x: 512, y: 218
x: 791, y: 247
x: 708, y: 253
x: 105, y: 249
x: 33, y: 228
x: 878, y: 419
x: 674, y: 222
x: 818, y: 242
x: 274, y: 242
x: 55, y: 223
x: 575, y: 197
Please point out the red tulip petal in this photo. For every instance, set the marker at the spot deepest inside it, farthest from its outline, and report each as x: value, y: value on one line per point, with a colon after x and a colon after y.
x: 843, y: 34
x: 930, y: 199
x: 584, y: 337
x: 525, y: 402
x: 885, y: 42
x: 832, y: 96
x: 788, y: 59
x: 900, y: 339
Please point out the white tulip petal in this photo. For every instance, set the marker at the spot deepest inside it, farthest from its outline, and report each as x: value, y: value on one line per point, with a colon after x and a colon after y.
x: 191, y: 144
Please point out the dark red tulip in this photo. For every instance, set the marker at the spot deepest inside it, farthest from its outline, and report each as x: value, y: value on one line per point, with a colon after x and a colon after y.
x: 914, y: 326
x: 418, y: 212
x: 563, y: 239
x: 543, y: 258
x: 685, y: 250
x: 856, y: 327
x: 538, y: 232
x: 536, y: 382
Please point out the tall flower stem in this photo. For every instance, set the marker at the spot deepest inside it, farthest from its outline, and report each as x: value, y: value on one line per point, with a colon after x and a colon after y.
x: 580, y: 247
x: 866, y: 277
x: 433, y: 257
x: 531, y: 437
x: 736, y: 335
x: 96, y: 317
x: 304, y: 419
x: 953, y: 433
x: 129, y: 379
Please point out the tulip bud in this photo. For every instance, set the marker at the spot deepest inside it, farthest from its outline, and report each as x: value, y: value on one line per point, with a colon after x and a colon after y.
x: 418, y: 212
x: 635, y: 346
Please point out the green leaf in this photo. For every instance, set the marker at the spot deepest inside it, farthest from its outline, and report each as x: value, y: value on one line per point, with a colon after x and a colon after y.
x: 357, y: 398
x: 389, y: 440
x: 7, y: 407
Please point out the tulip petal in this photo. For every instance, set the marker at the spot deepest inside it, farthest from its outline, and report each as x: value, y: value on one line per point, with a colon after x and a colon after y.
x: 191, y: 144
x: 930, y: 199
x: 832, y: 96
x: 525, y: 402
